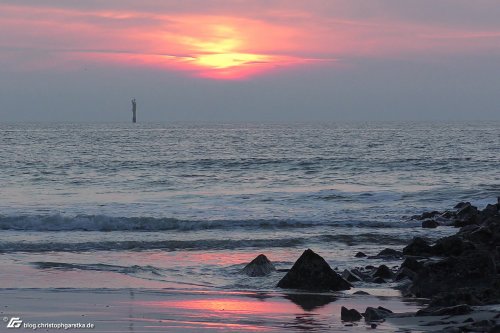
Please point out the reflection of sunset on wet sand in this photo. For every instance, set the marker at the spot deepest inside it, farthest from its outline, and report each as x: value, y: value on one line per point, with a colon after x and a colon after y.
x: 266, y: 312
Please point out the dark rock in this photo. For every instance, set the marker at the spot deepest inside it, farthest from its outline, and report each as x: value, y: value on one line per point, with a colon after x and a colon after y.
x: 451, y: 246
x: 481, y: 235
x: 373, y: 314
x: 413, y: 264
x: 378, y: 280
x: 461, y: 205
x: 404, y: 272
x: 456, y: 310
x: 448, y: 215
x: 455, y: 297
x: 349, y: 314
x: 471, y: 269
x: 370, y: 267
x: 467, y: 215
x: 312, y: 272
x: 363, y: 276
x: 389, y: 253
x: 429, y: 224
x: 468, y: 320
x: 373, y: 326
x: 427, y: 215
x: 418, y: 247
x: 361, y: 292
x: 384, y: 309
x: 467, y: 229
x: 384, y: 272
x: 489, y: 211
x: 360, y: 255
x: 260, y: 266
x: 350, y: 276
x: 494, y: 329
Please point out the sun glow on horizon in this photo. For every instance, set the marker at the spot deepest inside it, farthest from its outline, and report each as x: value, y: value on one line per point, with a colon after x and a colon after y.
x: 221, y: 50
x: 226, y: 47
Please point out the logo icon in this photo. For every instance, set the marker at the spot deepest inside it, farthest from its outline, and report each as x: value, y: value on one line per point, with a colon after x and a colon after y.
x: 14, y: 322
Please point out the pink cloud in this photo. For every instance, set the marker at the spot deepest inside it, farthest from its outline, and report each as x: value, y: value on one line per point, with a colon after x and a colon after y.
x: 233, y: 43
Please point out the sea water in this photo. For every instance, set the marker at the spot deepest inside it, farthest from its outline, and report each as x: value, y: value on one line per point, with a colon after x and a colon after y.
x: 186, y: 206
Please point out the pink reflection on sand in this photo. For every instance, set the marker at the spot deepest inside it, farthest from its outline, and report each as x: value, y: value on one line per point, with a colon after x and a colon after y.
x: 224, y: 312
x: 229, y: 305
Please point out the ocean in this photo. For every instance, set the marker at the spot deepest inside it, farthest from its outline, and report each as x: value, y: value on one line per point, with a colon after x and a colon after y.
x: 186, y: 206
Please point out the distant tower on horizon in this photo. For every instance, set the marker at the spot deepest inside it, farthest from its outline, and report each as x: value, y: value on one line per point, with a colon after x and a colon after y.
x: 134, y: 110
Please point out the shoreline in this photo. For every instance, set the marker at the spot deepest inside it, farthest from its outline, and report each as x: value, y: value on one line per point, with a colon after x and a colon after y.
x: 402, y: 290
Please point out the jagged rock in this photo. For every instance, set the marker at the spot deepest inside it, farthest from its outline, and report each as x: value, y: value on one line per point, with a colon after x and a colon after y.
x: 350, y: 276
x: 474, y: 268
x: 349, y: 314
x: 376, y: 314
x: 451, y: 246
x: 482, y: 236
x: 418, y: 247
x: 412, y: 264
x: 467, y: 215
x: 360, y: 255
x: 489, y: 211
x: 461, y: 205
x: 456, y: 310
x: 363, y: 276
x: 312, y: 272
x: 384, y: 272
x: 404, y: 272
x: 260, y: 266
x: 467, y: 229
x: 429, y: 224
x: 470, y: 273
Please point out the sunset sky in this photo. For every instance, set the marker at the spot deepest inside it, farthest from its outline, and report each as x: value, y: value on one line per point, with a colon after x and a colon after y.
x: 242, y: 60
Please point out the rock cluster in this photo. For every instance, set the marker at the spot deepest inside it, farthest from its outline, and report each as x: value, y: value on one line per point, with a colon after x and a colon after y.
x: 463, y: 214
x: 455, y: 272
x: 468, y: 269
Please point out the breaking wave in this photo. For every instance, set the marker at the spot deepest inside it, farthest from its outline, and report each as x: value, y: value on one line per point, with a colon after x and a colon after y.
x: 59, y: 222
